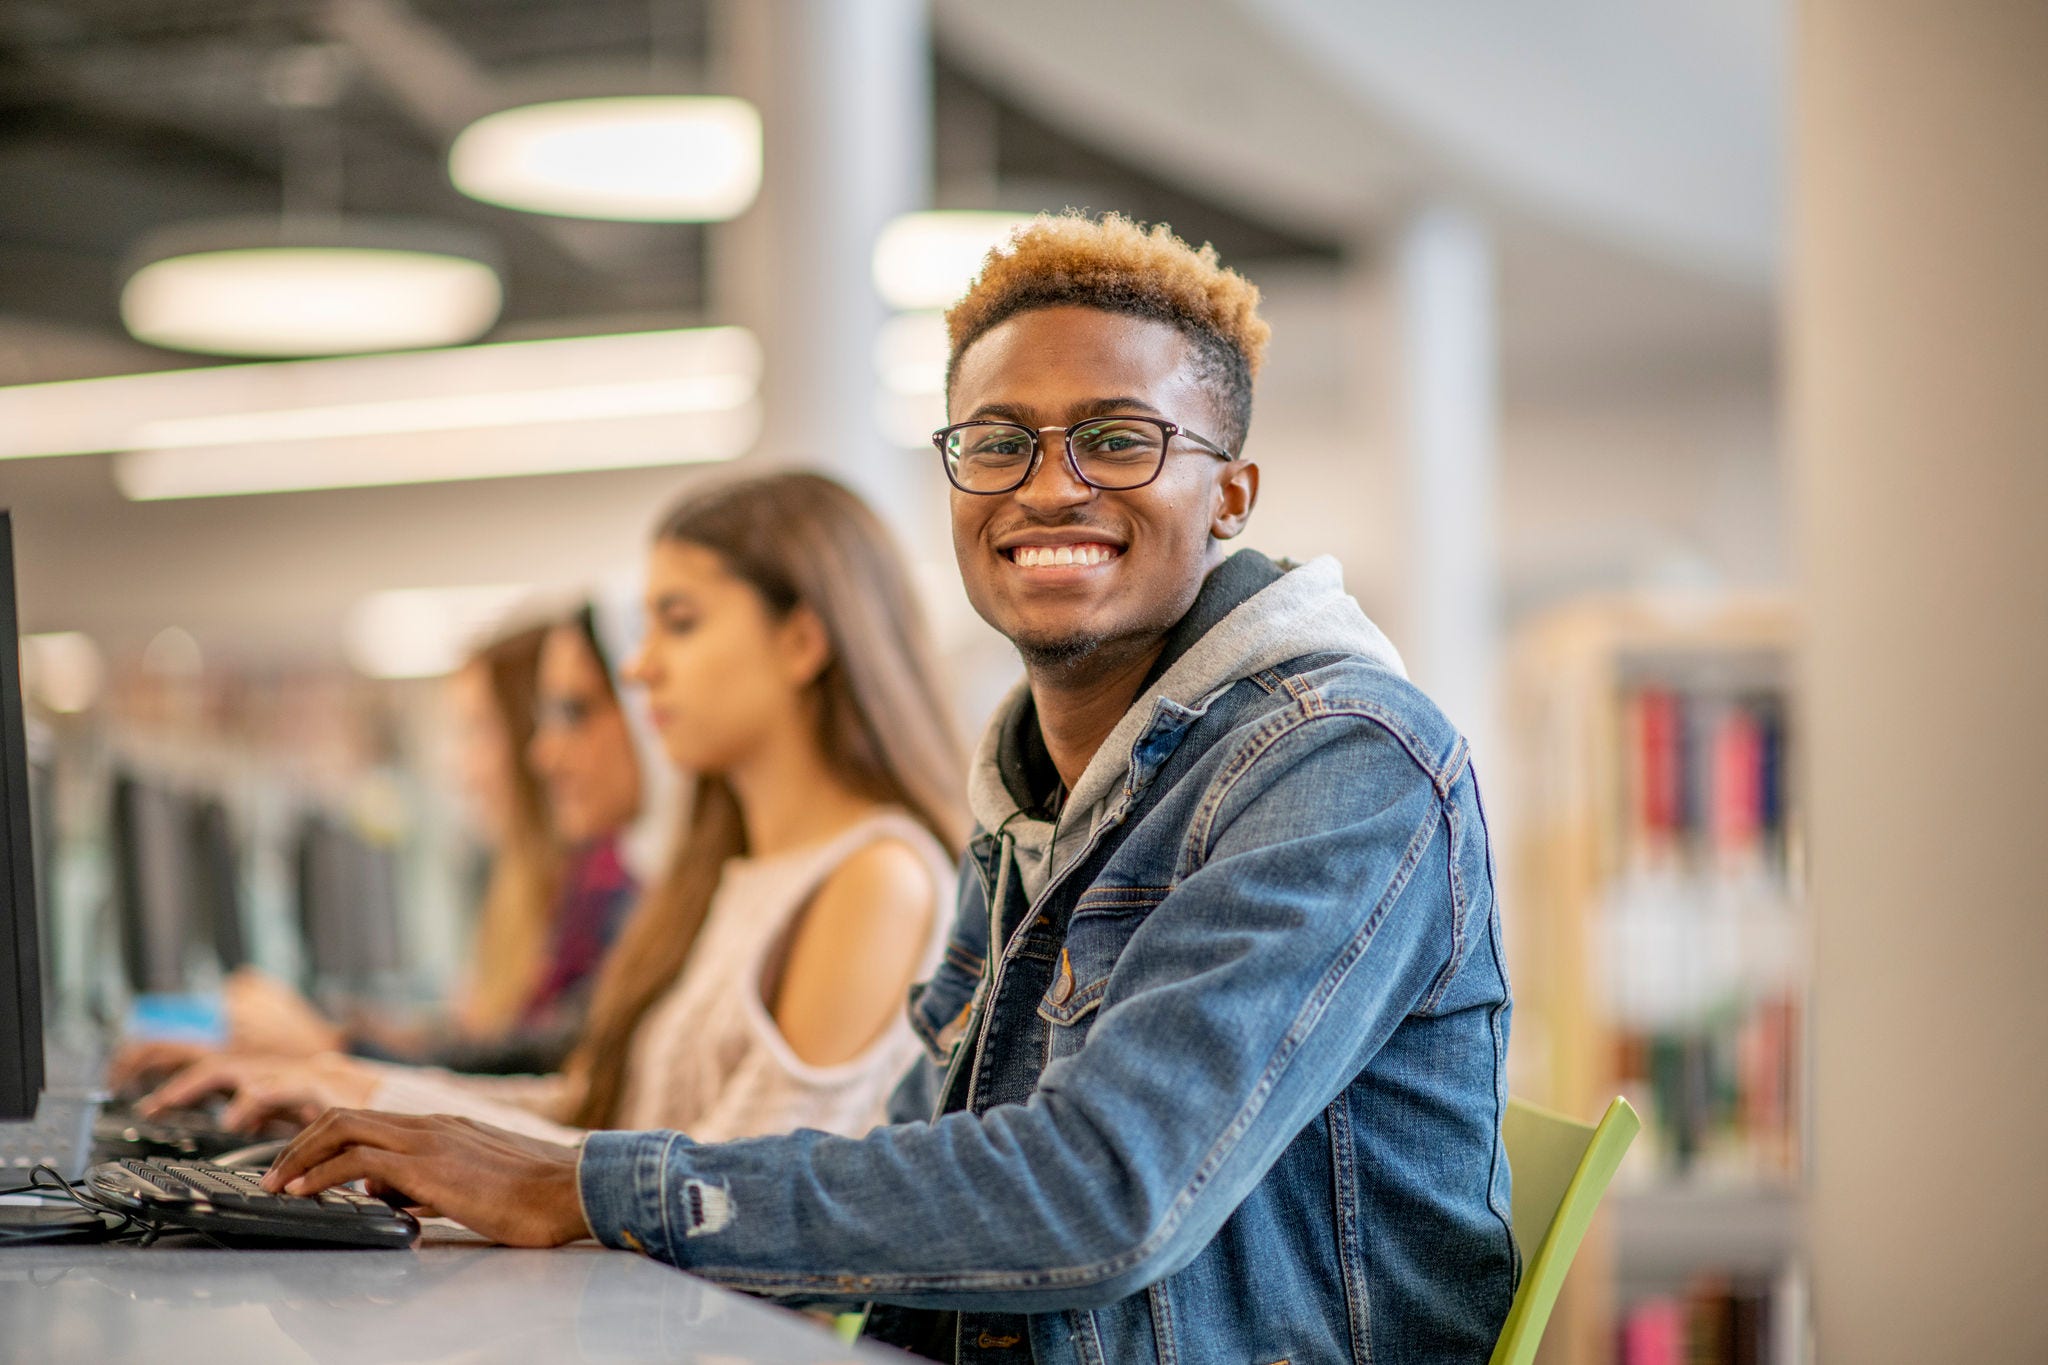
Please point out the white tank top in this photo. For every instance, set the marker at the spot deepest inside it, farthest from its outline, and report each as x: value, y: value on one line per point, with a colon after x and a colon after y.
x: 709, y: 1059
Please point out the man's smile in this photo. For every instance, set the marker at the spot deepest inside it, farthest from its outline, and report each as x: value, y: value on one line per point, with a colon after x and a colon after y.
x: 1086, y: 554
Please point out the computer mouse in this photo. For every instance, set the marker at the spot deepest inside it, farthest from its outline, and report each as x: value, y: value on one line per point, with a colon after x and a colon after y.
x: 257, y: 1156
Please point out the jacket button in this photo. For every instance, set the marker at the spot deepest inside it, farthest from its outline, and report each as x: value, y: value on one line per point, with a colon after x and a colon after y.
x: 1063, y: 988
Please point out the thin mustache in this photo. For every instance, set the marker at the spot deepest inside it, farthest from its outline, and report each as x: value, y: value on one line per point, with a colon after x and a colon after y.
x: 1064, y: 524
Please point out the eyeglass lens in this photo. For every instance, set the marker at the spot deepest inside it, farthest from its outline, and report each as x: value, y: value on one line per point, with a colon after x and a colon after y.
x: 1119, y: 452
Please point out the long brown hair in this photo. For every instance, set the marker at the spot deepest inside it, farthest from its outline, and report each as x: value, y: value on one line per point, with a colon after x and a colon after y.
x: 513, y: 925
x: 797, y: 539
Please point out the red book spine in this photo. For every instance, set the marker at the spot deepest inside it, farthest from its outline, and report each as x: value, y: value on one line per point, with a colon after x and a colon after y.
x: 1658, y: 721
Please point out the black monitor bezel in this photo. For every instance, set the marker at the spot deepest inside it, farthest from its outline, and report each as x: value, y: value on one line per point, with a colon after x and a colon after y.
x: 21, y: 1014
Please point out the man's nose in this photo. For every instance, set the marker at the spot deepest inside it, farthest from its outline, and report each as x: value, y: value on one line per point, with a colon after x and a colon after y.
x: 1053, y: 484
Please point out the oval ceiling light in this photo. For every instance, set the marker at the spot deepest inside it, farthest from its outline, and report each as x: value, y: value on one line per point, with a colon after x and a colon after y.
x: 331, y: 287
x: 927, y: 260
x: 638, y: 158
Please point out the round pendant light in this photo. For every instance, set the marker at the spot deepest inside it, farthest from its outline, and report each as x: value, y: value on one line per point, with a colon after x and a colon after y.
x: 927, y: 260
x: 639, y: 158
x: 327, y: 286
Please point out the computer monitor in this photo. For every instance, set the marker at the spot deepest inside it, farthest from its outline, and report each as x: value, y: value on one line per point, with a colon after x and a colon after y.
x: 21, y: 972
x: 348, y: 905
x: 177, y: 885
x: 217, y: 881
x: 151, y: 883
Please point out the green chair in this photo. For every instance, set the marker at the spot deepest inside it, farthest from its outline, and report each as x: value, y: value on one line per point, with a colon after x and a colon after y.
x: 1561, y: 1168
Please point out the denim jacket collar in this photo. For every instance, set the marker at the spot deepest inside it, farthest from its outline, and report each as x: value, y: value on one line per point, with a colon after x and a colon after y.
x: 1303, y: 611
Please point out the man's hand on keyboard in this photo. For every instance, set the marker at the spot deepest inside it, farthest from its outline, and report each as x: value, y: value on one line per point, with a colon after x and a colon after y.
x: 514, y: 1189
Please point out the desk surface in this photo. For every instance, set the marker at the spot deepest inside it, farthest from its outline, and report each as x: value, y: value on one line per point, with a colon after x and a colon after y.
x: 441, y: 1302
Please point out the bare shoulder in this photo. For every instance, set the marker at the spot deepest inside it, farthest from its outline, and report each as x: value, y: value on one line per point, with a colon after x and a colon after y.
x: 883, y: 885
x: 853, y: 952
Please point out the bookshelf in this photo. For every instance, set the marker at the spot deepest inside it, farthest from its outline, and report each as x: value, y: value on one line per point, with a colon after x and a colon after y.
x: 1657, y: 937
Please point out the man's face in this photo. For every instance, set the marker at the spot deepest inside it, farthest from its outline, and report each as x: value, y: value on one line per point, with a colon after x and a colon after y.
x: 1138, y: 556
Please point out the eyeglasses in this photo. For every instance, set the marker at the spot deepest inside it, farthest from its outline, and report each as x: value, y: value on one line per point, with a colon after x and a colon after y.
x: 566, y: 712
x: 1115, y: 454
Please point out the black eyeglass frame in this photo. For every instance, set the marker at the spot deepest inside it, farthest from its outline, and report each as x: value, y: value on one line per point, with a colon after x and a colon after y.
x: 1167, y: 431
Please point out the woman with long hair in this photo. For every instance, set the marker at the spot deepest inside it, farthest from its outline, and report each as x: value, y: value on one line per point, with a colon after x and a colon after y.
x: 758, y: 986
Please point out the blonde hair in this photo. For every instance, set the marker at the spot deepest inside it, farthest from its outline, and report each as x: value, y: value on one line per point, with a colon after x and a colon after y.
x: 1120, y: 266
x: 516, y: 920
x: 882, y: 724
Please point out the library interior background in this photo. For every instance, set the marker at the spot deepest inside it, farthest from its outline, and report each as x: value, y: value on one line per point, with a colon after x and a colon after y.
x: 1666, y: 381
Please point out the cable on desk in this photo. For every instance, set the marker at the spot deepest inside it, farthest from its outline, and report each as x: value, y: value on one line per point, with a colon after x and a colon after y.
x: 130, y: 1225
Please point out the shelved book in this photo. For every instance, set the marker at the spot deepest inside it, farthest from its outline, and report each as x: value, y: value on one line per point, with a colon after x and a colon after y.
x: 1716, y: 1321
x: 1705, y: 785
x: 1720, y: 1097
x: 1700, y: 931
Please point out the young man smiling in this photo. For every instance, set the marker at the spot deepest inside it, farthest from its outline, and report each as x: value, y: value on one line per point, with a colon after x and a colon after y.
x: 1216, y: 1050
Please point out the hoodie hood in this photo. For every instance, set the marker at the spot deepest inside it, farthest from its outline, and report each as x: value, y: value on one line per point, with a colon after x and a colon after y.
x: 1301, y: 610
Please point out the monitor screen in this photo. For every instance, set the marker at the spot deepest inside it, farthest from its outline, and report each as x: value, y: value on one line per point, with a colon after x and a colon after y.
x: 21, y: 985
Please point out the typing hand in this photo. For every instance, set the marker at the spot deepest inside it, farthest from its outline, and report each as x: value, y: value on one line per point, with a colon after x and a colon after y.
x: 263, y: 1088
x: 265, y: 1015
x: 137, y: 1066
x: 516, y: 1190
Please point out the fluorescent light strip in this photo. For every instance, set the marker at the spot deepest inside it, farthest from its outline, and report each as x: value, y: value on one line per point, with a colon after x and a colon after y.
x: 458, y: 412
x: 689, y: 371
x: 373, y: 460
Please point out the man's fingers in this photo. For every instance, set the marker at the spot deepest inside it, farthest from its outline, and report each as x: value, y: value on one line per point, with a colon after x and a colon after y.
x: 335, y: 1131
x: 356, y: 1163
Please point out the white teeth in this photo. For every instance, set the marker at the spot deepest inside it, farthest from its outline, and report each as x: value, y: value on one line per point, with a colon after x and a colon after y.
x: 1047, y: 556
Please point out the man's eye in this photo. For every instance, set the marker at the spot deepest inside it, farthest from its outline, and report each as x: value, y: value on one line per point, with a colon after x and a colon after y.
x: 1116, y: 440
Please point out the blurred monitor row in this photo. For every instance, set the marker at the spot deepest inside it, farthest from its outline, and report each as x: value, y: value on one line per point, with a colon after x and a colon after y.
x: 179, y: 908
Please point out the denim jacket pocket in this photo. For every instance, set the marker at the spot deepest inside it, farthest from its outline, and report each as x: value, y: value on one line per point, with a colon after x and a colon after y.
x: 1103, y: 923
x: 939, y: 1007
x: 1066, y: 1001
x: 1067, y: 1007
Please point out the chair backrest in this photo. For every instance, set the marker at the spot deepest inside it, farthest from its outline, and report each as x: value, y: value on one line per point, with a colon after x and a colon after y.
x: 1561, y: 1169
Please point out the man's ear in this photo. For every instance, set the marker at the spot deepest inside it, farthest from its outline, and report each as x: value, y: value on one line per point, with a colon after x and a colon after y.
x: 1237, y: 492
x: 806, y: 645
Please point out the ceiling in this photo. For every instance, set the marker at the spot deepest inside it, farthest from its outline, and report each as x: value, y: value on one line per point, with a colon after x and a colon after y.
x: 120, y: 116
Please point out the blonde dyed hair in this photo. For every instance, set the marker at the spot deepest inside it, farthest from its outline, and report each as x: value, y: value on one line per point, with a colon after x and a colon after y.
x: 1120, y: 266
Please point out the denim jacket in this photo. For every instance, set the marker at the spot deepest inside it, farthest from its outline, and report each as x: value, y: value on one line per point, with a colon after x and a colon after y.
x: 1225, y: 1086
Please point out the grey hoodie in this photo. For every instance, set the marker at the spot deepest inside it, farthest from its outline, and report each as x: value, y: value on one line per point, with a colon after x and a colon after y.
x: 1303, y: 611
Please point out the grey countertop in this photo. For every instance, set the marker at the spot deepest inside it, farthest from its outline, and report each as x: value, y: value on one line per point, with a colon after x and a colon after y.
x: 447, y: 1300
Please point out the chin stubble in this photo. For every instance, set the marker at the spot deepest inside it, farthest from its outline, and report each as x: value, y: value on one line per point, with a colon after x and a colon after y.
x: 1057, y: 655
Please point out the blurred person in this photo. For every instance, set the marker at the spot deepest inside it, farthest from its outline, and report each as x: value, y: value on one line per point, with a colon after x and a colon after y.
x: 758, y: 987
x: 1215, y: 1055
x: 549, y: 758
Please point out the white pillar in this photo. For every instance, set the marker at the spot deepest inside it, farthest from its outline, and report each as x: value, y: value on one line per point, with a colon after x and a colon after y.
x: 844, y: 91
x: 1443, y: 266
x: 1918, y: 349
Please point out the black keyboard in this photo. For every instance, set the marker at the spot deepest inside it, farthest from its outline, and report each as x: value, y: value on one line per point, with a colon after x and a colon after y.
x: 213, y: 1199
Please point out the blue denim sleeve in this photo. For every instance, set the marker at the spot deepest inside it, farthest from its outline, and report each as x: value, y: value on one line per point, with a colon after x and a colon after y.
x: 1310, y: 917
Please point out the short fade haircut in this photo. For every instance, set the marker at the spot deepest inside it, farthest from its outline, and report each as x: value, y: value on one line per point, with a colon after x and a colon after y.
x: 1120, y: 266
